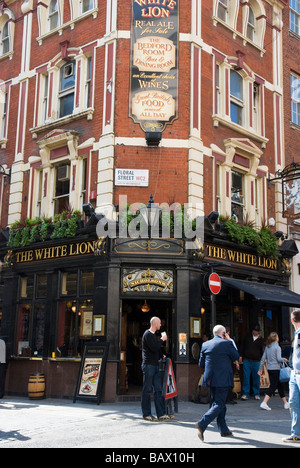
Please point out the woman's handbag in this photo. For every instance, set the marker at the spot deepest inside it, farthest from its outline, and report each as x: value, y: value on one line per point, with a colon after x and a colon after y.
x: 285, y: 373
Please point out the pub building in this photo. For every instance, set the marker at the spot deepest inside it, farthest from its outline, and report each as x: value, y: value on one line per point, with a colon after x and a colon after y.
x: 101, y: 100
x: 57, y: 296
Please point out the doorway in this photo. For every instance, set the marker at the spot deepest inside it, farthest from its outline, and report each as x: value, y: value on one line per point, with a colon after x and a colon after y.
x: 135, y: 321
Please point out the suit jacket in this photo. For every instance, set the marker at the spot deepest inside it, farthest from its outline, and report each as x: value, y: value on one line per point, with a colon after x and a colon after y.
x: 216, y: 358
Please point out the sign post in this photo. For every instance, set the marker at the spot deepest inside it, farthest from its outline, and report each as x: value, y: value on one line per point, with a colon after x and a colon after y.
x: 214, y: 284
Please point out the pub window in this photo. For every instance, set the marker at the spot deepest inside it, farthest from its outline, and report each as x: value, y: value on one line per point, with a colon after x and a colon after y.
x: 88, y: 82
x: 62, y: 188
x: 30, y: 329
x: 87, y: 282
x: 223, y: 10
x: 84, y: 181
x: 4, y: 115
x: 5, y: 39
x: 53, y: 18
x: 295, y: 99
x: 236, y: 98
x: 237, y: 196
x: 45, y: 98
x: 295, y: 16
x: 31, y: 316
x: 75, y: 313
x: 218, y: 89
x: 87, y: 5
x: 67, y: 89
x: 27, y: 287
x: 256, y: 106
x: 69, y: 284
x: 251, y: 26
x: 41, y: 286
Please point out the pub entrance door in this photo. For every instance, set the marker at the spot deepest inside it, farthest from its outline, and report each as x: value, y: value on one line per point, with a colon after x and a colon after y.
x: 135, y: 321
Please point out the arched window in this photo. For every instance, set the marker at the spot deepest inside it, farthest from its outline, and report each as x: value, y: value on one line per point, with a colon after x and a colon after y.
x: 236, y: 98
x: 53, y: 16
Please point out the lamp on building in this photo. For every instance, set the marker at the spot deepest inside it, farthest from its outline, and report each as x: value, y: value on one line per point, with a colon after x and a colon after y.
x: 4, y: 173
x: 150, y: 214
x: 88, y: 209
x: 213, y: 217
x: 145, y: 307
x: 280, y: 235
x: 153, y: 138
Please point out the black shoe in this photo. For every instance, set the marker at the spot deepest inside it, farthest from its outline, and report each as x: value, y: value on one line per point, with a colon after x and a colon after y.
x: 226, y: 434
x: 200, y: 432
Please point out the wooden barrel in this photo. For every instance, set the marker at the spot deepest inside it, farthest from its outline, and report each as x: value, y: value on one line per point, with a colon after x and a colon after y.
x: 36, y: 386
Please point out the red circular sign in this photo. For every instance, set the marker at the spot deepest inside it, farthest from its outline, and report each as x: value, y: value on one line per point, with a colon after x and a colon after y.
x: 214, y: 283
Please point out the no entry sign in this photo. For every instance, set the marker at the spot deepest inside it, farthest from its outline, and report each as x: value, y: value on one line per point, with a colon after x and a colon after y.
x: 214, y: 283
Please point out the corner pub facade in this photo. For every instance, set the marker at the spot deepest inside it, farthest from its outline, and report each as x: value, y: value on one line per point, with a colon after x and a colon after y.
x: 105, y: 102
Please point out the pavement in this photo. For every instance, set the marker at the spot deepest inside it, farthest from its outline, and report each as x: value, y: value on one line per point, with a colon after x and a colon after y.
x: 118, y: 428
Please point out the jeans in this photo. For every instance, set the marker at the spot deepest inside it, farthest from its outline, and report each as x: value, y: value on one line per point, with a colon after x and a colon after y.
x: 152, y: 382
x: 294, y: 401
x: 217, y: 410
x: 250, y: 367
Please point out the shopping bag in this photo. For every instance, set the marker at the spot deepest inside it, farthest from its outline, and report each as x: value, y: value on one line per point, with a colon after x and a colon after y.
x: 264, y: 378
x: 285, y: 373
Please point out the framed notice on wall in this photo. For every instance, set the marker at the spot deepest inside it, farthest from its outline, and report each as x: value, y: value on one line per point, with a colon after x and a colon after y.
x: 92, y: 371
x: 154, y: 63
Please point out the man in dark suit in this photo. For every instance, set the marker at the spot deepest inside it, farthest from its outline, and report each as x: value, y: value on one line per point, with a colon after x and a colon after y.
x: 216, y: 358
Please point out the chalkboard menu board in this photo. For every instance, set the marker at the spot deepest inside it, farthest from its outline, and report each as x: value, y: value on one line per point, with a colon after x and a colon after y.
x: 92, y: 371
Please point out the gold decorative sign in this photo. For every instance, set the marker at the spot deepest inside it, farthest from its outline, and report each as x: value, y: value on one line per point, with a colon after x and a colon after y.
x: 154, y: 63
x: 136, y: 280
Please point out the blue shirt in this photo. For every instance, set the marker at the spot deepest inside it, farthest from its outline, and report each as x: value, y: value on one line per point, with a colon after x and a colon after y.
x: 296, y: 353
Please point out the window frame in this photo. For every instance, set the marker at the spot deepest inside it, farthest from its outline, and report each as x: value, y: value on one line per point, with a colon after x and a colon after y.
x: 295, y: 103
x: 296, y: 15
x: 69, y: 91
x: 251, y: 27
x: 241, y: 202
x: 237, y: 102
x: 51, y: 15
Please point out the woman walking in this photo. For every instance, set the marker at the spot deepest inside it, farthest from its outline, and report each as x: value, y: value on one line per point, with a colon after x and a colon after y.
x: 272, y: 355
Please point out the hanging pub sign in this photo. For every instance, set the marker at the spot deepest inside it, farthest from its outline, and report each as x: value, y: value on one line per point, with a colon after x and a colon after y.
x: 154, y: 63
x: 290, y: 179
x: 92, y: 371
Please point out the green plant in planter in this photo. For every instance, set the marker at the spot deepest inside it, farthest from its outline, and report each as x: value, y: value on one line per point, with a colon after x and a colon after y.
x: 234, y: 229
x: 268, y: 244
x: 44, y: 228
x: 263, y: 241
x: 15, y: 234
x: 24, y: 233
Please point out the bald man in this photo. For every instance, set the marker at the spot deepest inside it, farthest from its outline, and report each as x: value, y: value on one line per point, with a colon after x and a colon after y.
x: 151, y: 353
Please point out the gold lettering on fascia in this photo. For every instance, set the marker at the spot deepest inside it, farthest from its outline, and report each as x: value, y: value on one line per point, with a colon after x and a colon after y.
x: 243, y: 258
x: 55, y: 252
